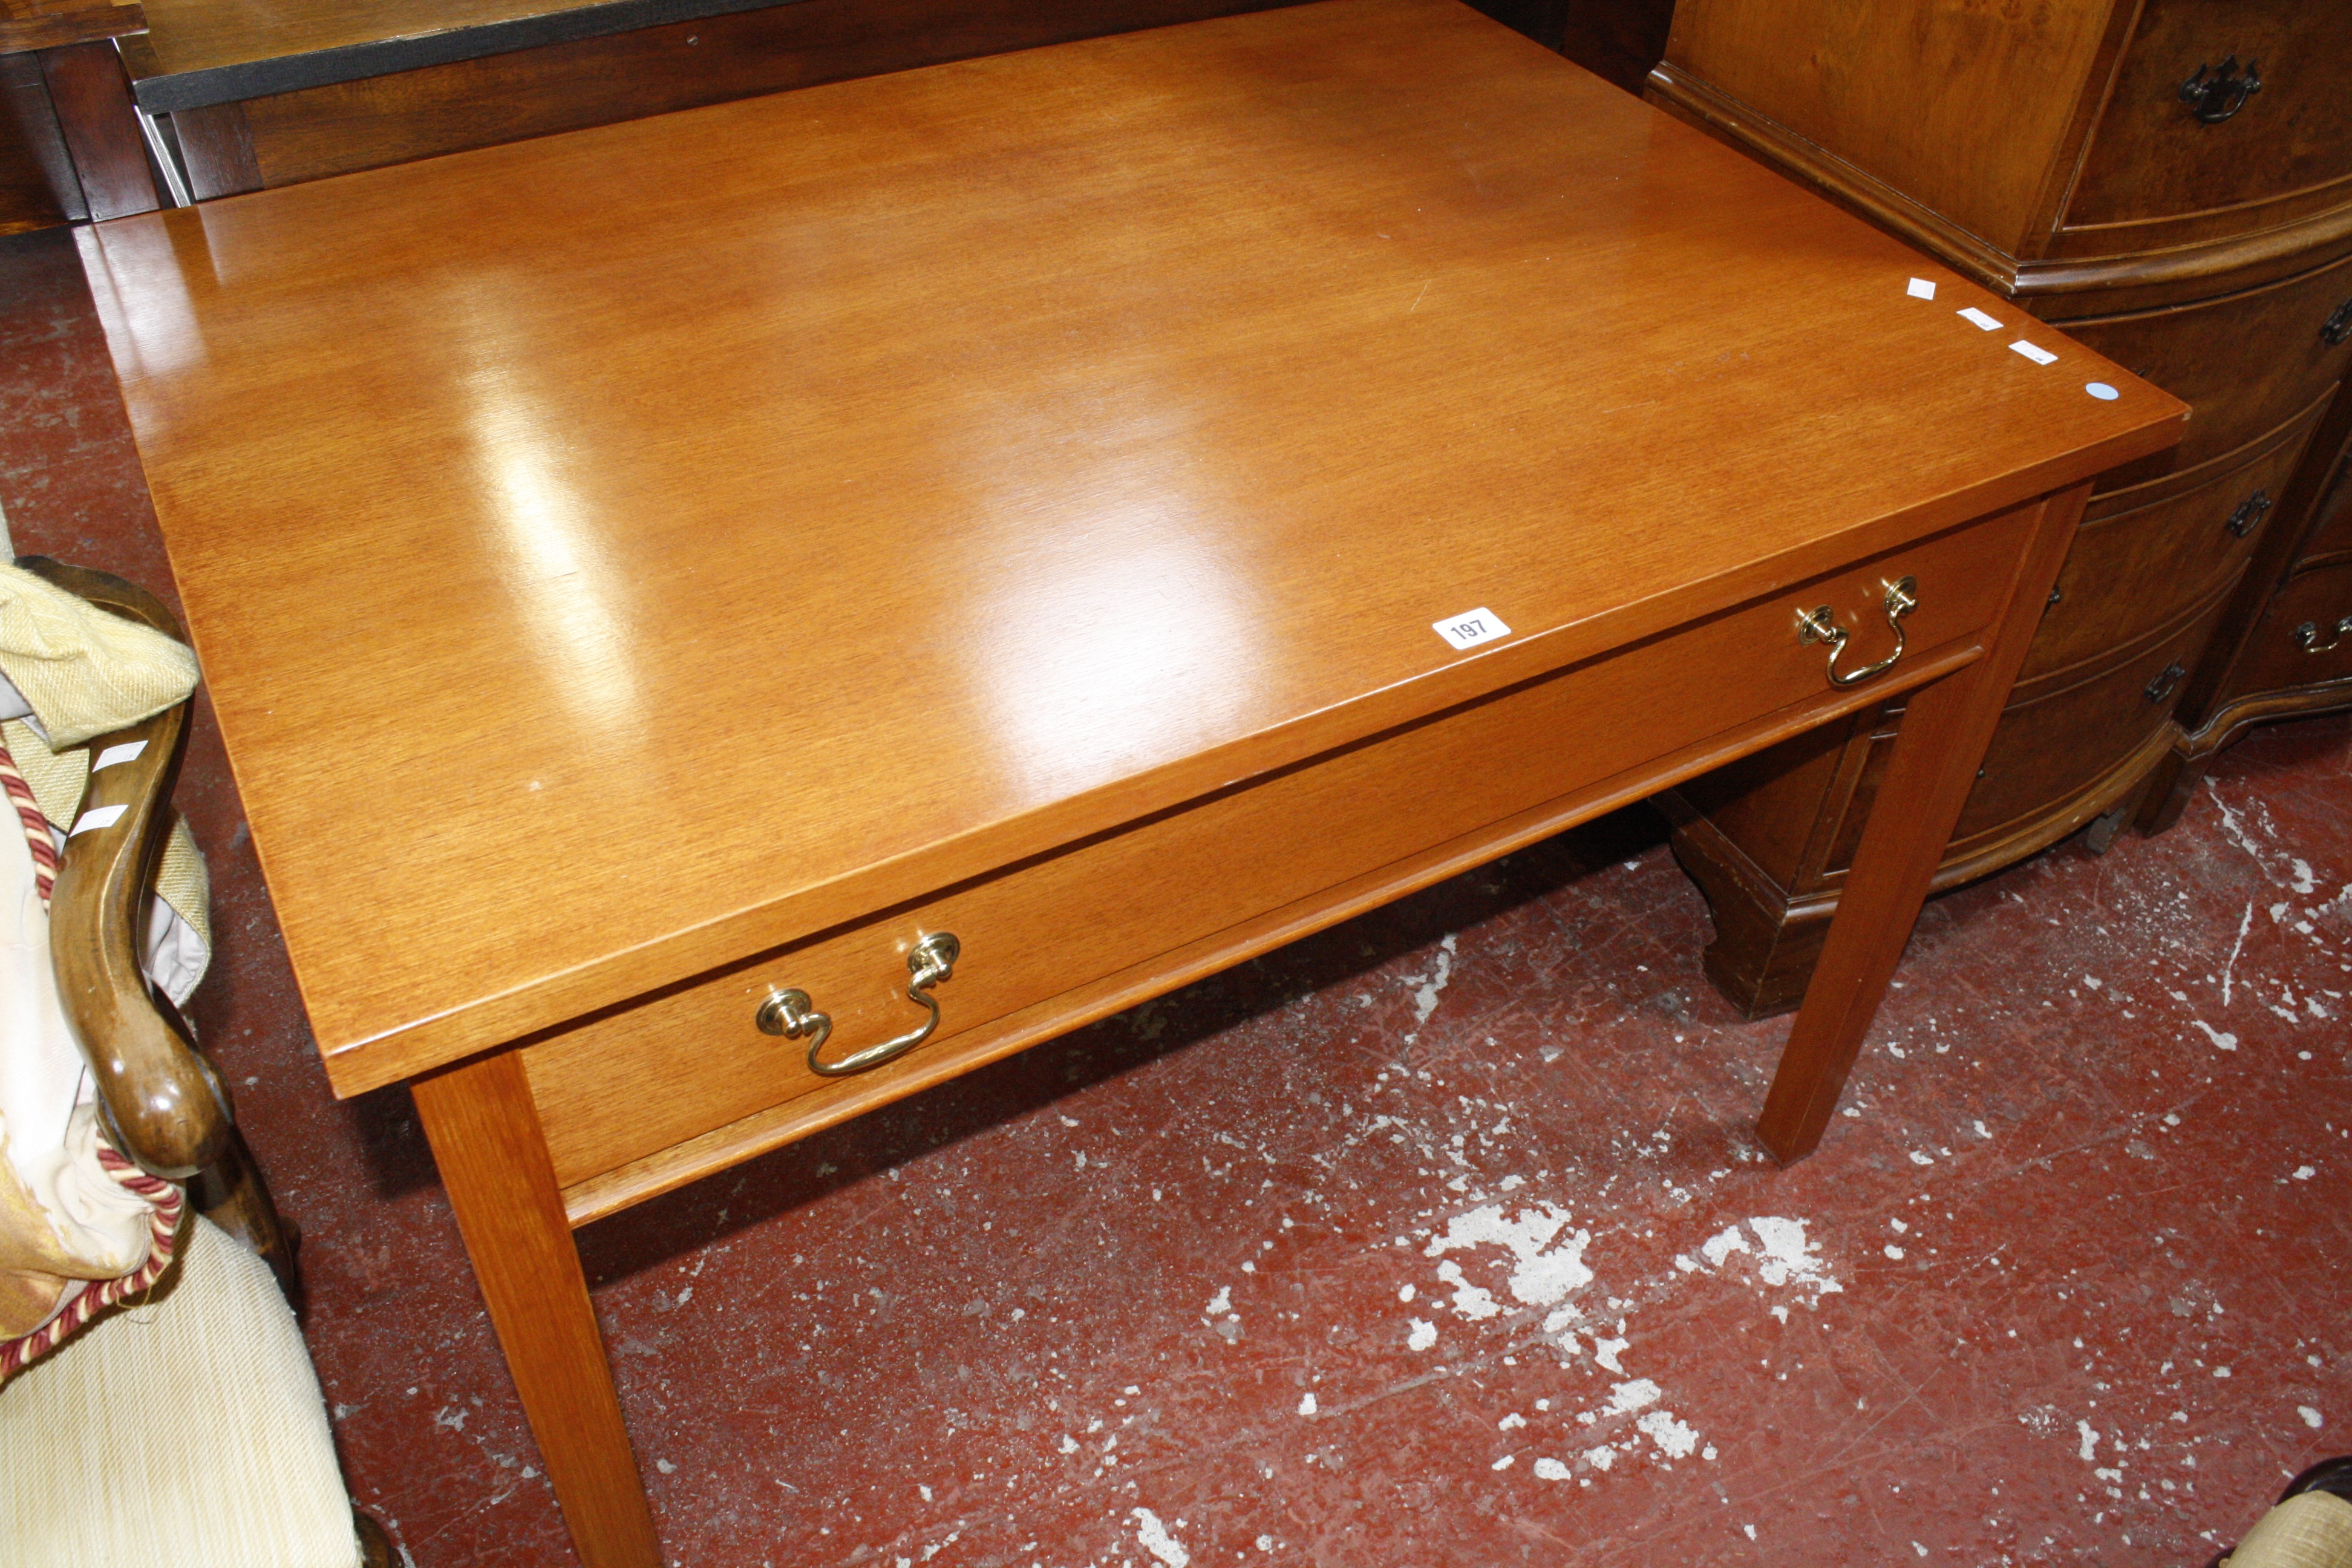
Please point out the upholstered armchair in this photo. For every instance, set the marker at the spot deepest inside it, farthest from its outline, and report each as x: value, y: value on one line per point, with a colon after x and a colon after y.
x: 183, y: 1425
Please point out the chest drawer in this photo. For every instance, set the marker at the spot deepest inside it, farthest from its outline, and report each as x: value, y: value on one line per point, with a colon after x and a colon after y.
x: 2245, y: 363
x: 2133, y: 569
x: 620, y: 1086
x: 2305, y: 636
x: 2153, y: 156
x: 2330, y: 533
x: 2060, y: 735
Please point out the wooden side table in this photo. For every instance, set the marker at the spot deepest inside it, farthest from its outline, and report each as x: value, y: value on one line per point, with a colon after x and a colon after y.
x: 849, y: 585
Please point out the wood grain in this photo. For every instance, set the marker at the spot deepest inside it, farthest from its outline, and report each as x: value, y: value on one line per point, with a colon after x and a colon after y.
x: 217, y: 146
x: 2246, y: 362
x: 2151, y: 158
x: 50, y: 27
x: 205, y: 35
x: 1918, y: 803
x: 1050, y: 926
x: 1848, y: 75
x: 365, y: 124
x: 163, y: 1103
x: 493, y: 1161
x: 1072, y: 434
x: 37, y: 188
x: 91, y: 98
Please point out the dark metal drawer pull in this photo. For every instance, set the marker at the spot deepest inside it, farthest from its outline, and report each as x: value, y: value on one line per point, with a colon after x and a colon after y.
x: 2212, y: 96
x: 2339, y: 325
x: 2306, y: 636
x: 2162, y: 685
x: 2250, y: 513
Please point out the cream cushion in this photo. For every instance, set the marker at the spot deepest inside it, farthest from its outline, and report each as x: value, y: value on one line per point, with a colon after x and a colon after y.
x: 187, y: 1433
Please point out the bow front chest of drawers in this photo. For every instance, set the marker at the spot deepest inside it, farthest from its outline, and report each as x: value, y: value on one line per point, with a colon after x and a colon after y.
x: 874, y: 577
x: 2169, y: 182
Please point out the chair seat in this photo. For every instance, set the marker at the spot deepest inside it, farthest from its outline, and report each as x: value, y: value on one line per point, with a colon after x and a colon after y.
x: 187, y: 1433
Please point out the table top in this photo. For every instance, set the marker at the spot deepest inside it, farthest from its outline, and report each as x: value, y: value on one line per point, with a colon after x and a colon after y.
x: 618, y: 553
x: 219, y: 51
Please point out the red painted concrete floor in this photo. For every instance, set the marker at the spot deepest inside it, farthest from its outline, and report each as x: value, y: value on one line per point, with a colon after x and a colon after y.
x: 1439, y: 1238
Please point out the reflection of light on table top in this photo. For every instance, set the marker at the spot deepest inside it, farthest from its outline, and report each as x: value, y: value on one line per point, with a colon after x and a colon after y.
x: 1129, y: 638
x: 562, y: 579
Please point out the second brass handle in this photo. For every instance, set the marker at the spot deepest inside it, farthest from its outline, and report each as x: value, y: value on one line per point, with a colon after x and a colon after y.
x: 794, y: 1015
x: 1821, y: 625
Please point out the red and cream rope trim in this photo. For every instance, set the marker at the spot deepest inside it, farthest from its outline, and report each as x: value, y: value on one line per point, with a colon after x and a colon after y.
x: 35, y: 826
x: 166, y: 1200
x: 97, y: 1296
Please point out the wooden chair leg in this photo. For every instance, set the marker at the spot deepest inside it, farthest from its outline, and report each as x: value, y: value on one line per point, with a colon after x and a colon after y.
x: 375, y: 1546
x: 485, y: 1138
x: 232, y: 1194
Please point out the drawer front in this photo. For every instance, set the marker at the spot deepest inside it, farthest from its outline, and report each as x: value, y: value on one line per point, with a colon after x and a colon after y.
x: 2301, y: 638
x: 650, y: 1075
x: 2246, y: 362
x: 2054, y: 743
x: 2153, y: 157
x: 2330, y: 533
x: 2132, y: 571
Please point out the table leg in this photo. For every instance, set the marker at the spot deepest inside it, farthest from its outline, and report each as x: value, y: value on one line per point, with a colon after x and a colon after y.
x: 1946, y: 728
x: 485, y: 1138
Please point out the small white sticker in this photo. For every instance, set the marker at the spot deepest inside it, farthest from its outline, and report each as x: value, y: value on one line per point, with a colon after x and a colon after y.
x: 126, y: 753
x: 2033, y: 352
x: 1980, y: 319
x: 1471, y: 627
x: 2102, y: 391
x: 1922, y: 289
x: 98, y: 817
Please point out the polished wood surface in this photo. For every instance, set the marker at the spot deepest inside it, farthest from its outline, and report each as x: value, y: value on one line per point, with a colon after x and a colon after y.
x: 507, y: 96
x: 207, y: 34
x: 1048, y: 928
x: 1014, y: 497
x: 90, y: 98
x: 2043, y: 149
x: 163, y: 1102
x: 2257, y: 669
x: 1046, y: 473
x: 2046, y: 150
x: 1987, y: 150
x: 486, y: 1143
x: 37, y: 188
x: 1918, y: 803
x: 2152, y: 159
x: 29, y: 25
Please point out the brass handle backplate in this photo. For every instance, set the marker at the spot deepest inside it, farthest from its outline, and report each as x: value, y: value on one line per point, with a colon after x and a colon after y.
x: 791, y: 1014
x: 2306, y: 636
x: 1821, y: 625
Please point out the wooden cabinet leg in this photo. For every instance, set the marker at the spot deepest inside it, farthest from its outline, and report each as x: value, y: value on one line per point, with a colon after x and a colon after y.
x: 486, y: 1137
x: 1946, y: 729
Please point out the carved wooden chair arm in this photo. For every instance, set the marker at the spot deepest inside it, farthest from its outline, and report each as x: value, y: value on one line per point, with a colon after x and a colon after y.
x: 162, y: 1104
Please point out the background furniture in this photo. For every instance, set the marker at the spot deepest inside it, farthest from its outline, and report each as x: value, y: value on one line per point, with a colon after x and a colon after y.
x: 2112, y: 167
x: 2285, y: 647
x: 1095, y: 453
x: 188, y: 1430
x: 71, y: 147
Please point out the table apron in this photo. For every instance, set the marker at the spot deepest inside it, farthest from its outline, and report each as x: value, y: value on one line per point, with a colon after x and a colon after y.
x: 680, y: 1083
